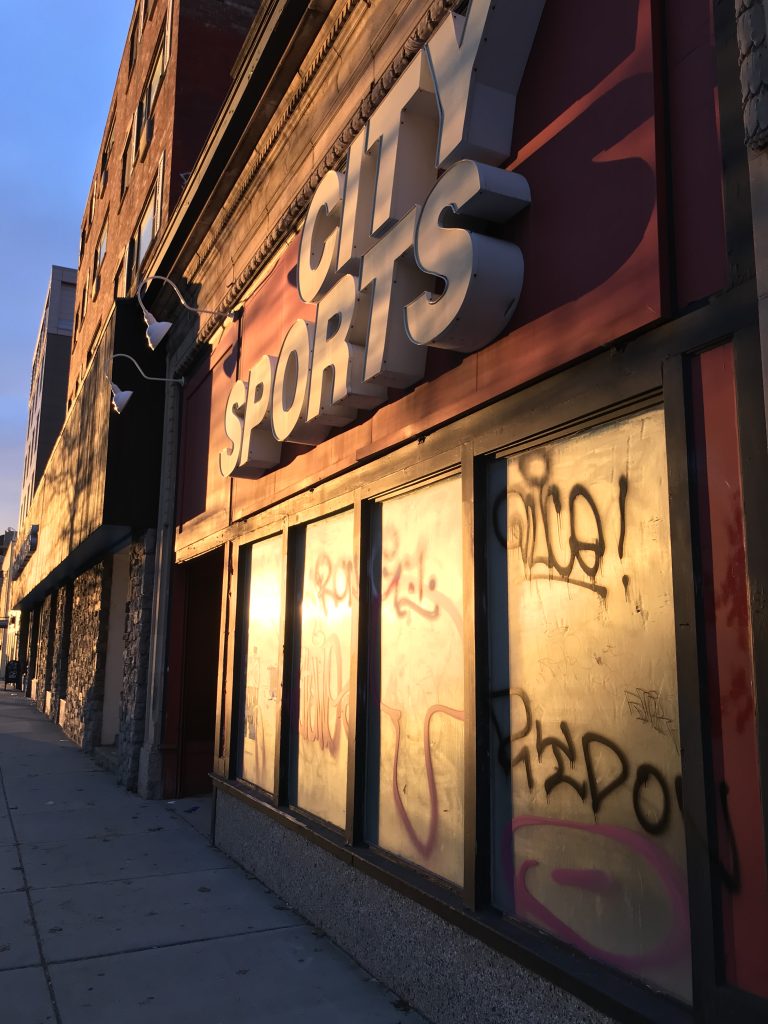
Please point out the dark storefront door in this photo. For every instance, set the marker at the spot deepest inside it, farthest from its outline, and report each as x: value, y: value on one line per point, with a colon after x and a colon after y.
x: 191, y: 708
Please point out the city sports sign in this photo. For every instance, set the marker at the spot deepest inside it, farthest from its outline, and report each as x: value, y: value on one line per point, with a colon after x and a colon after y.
x: 400, y: 251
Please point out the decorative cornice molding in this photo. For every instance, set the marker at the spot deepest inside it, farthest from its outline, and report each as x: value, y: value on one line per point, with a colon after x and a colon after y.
x: 296, y: 209
x: 257, y: 160
x: 753, y: 68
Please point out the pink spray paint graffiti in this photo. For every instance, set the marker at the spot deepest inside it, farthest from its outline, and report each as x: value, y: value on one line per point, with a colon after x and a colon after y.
x: 673, y: 947
x: 426, y: 846
x: 325, y: 695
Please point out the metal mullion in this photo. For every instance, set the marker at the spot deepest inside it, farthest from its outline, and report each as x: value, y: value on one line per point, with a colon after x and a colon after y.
x: 288, y: 664
x: 358, y: 677
x: 476, y: 823
x: 229, y: 611
x: 235, y: 703
x: 696, y: 753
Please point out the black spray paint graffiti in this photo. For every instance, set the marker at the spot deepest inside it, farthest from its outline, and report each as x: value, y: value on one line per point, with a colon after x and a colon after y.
x: 648, y: 706
x: 566, y: 755
x: 534, y: 521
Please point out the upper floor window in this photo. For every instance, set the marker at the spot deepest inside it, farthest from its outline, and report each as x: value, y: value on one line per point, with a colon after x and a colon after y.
x: 133, y: 44
x: 143, y: 133
x: 144, y: 233
x: 84, y: 299
x: 105, y: 155
x: 119, y: 283
x: 98, y: 258
x: 126, y: 165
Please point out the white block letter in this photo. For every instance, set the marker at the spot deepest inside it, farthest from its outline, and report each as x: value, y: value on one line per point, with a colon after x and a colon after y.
x: 477, y: 63
x: 357, y: 214
x: 290, y: 390
x: 337, y: 389
x: 404, y: 126
x: 483, y: 276
x: 391, y: 279
x: 318, y: 249
x: 233, y: 426
x: 259, y: 449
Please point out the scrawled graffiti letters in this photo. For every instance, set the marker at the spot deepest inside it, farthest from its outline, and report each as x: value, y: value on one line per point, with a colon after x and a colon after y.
x: 324, y: 710
x: 557, y: 538
x: 575, y: 765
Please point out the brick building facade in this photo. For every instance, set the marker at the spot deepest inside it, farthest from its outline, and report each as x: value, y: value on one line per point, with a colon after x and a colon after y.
x: 85, y: 590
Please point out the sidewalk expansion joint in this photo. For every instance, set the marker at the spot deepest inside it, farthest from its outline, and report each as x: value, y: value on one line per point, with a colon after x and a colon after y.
x: 135, y: 878
x: 172, y: 945
x: 43, y: 964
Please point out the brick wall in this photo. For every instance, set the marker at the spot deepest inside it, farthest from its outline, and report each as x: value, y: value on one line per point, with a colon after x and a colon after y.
x: 206, y: 36
x: 133, y: 699
x: 87, y: 656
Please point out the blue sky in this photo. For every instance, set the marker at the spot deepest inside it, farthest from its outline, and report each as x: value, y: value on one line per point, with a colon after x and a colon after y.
x: 58, y: 64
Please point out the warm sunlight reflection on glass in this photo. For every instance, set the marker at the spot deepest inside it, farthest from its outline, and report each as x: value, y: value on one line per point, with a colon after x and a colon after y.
x: 594, y: 847
x: 329, y: 592
x: 421, y: 783
x: 262, y: 676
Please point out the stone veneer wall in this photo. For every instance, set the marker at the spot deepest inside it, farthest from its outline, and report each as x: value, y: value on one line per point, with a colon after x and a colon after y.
x: 443, y: 971
x: 24, y: 631
x: 62, y: 629
x: 87, y: 655
x: 31, y: 651
x: 133, y: 699
x: 44, y: 649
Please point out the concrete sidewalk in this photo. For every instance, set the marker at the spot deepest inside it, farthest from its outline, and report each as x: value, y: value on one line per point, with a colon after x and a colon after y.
x: 113, y: 909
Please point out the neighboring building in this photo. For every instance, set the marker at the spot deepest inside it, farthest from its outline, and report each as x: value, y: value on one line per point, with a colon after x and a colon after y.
x: 174, y: 73
x: 8, y: 618
x: 48, y: 388
x: 84, y: 570
x: 454, y: 581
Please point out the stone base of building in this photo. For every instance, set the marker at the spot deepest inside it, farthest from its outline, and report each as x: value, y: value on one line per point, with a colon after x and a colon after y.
x: 150, y: 780
x: 447, y: 974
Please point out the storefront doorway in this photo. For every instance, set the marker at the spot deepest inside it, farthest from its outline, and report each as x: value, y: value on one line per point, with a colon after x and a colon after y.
x: 190, y: 715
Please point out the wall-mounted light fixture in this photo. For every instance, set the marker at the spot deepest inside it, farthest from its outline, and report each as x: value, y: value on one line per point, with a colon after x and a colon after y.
x: 121, y: 398
x: 157, y: 329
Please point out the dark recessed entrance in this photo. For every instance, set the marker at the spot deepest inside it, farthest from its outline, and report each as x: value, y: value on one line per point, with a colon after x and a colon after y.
x: 190, y: 712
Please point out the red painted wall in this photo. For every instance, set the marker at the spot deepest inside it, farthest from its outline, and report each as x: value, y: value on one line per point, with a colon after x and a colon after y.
x: 740, y: 871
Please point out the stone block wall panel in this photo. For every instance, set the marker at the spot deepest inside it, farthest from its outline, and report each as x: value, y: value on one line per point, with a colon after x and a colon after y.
x: 133, y: 700
x: 752, y: 38
x: 62, y: 630
x: 44, y: 650
x: 87, y: 656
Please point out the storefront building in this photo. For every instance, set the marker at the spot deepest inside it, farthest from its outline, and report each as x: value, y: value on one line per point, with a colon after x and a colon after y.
x: 465, y: 559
